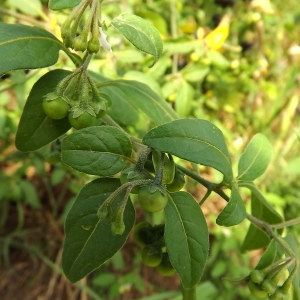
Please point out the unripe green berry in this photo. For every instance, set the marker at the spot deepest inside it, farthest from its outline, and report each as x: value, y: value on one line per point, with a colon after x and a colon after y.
x: 80, y: 43
x: 151, y: 256
x: 279, y: 295
x: 257, y: 276
x: 165, y: 268
x: 256, y: 290
x: 269, y: 286
x: 93, y: 45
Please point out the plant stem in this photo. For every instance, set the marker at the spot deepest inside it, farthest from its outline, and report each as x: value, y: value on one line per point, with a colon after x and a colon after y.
x: 188, y: 294
x: 174, y: 34
x: 286, y: 223
x: 268, y: 229
x: 217, y: 188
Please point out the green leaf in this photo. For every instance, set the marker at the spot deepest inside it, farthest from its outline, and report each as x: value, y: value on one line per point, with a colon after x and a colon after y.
x: 26, y: 47
x: 35, y: 128
x: 255, y: 159
x: 97, y: 150
x: 90, y: 242
x: 186, y: 237
x: 195, y: 72
x: 195, y: 140
x: 144, y: 78
x: 184, y: 99
x: 62, y: 4
x: 137, y: 96
x: 141, y: 33
x: 234, y: 212
x: 262, y: 210
x: 268, y: 257
x: 292, y: 242
x: 30, y: 194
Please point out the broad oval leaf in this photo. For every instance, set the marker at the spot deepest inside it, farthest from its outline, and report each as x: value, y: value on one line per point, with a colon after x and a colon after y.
x: 186, y: 237
x: 62, y: 4
x: 141, y: 33
x: 90, y: 242
x: 35, y: 128
x: 135, y: 96
x: 261, y: 209
x: 97, y: 150
x: 184, y: 98
x: 234, y: 212
x: 195, y: 140
x: 255, y: 159
x: 26, y: 47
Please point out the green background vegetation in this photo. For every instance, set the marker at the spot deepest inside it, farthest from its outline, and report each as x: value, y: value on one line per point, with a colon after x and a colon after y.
x: 250, y: 85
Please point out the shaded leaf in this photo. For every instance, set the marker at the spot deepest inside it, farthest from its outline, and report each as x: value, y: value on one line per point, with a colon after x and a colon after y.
x: 234, y: 212
x: 195, y: 140
x: 89, y: 242
x: 62, y: 4
x: 26, y: 47
x: 137, y: 96
x: 186, y: 237
x: 184, y: 99
x: 262, y: 210
x: 255, y: 159
x: 268, y: 257
x: 141, y: 33
x: 30, y: 194
x: 35, y: 128
x: 97, y: 150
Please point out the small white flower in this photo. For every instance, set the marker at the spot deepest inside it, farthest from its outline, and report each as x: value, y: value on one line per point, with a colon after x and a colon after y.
x: 103, y: 42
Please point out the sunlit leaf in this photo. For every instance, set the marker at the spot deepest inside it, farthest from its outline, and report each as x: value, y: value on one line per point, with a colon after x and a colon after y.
x: 26, y: 47
x: 256, y: 158
x: 141, y: 33
x: 97, y: 150
x: 195, y: 140
x: 234, y: 212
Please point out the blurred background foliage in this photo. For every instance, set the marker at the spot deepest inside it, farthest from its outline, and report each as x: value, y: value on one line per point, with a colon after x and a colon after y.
x: 233, y: 62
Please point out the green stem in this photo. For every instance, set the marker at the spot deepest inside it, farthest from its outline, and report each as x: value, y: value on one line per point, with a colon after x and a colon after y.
x: 196, y: 177
x: 174, y: 34
x: 211, y: 187
x: 142, y: 159
x: 286, y: 223
x: 268, y: 229
x: 102, y: 212
x: 188, y: 294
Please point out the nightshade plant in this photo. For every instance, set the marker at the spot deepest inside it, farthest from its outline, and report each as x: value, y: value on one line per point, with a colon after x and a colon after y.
x: 103, y: 215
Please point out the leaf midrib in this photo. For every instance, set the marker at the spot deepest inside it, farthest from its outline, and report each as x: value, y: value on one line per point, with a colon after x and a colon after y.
x: 182, y: 224
x: 197, y: 140
x: 252, y: 163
